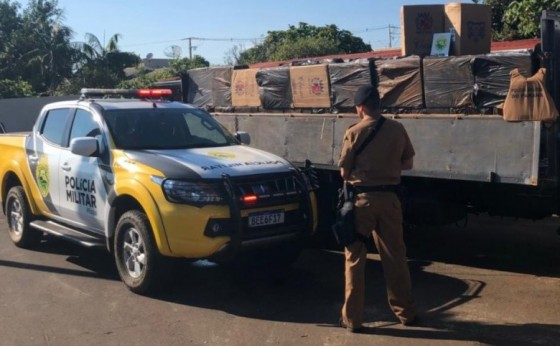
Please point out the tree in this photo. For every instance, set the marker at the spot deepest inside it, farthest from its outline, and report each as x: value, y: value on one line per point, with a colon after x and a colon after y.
x: 303, y: 41
x: 47, y: 51
x: 233, y: 55
x: 14, y: 88
x: 500, y: 31
x: 525, y: 15
x: 10, y: 23
x: 102, y: 66
x: 35, y: 45
x: 179, y: 66
x: 518, y: 19
x: 146, y: 78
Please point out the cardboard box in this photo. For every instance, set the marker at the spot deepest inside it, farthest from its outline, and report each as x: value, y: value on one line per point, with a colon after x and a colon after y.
x: 418, y: 25
x: 244, y: 89
x: 345, y: 80
x: 310, y: 86
x: 400, y: 82
x: 448, y: 82
x: 274, y: 87
x: 472, y: 25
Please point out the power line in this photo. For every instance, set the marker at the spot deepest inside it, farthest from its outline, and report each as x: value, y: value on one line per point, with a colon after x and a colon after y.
x: 361, y: 31
x: 231, y: 39
x: 193, y: 38
x: 190, y: 39
x: 150, y: 43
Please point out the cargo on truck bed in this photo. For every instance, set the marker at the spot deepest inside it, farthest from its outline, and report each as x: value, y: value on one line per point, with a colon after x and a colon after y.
x: 469, y: 159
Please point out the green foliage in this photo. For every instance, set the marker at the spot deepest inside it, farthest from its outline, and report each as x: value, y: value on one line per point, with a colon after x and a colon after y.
x: 179, y: 66
x: 44, y: 41
x: 500, y: 31
x: 518, y: 19
x: 303, y: 41
x: 103, y: 67
x: 525, y: 15
x: 36, y: 47
x: 14, y: 88
x: 147, y: 79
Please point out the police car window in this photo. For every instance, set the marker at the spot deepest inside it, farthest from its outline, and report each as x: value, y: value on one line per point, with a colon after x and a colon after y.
x: 203, y: 126
x: 84, y: 125
x: 54, y: 125
x: 165, y: 129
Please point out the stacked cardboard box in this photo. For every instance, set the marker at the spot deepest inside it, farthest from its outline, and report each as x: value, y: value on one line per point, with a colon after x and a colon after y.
x: 400, y: 82
x: 274, y: 88
x: 472, y: 26
x: 492, y: 75
x: 310, y: 86
x: 470, y: 23
x: 448, y: 82
x: 345, y: 79
x: 209, y: 86
x: 419, y: 23
x: 244, y: 89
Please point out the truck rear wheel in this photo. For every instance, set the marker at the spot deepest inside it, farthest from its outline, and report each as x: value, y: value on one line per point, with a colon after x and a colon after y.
x: 138, y: 261
x: 18, y: 215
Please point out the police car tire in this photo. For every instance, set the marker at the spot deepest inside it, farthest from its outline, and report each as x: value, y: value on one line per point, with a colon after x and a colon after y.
x: 133, y: 229
x: 18, y: 215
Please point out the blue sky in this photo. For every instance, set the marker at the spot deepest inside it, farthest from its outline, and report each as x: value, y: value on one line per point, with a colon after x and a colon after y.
x: 155, y: 26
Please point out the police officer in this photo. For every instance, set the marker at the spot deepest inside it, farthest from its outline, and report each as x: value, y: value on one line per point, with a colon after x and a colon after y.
x: 375, y: 174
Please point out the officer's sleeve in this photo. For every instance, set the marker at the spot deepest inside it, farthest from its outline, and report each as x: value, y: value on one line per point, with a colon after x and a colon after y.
x: 347, y: 154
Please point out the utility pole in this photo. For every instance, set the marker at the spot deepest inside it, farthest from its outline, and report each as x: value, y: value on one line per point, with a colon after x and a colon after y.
x: 190, y: 45
x: 390, y: 36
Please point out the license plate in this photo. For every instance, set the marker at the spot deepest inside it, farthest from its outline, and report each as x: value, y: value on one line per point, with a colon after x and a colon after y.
x: 266, y: 218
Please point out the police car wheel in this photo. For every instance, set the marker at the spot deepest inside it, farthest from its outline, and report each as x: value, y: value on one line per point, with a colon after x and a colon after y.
x: 18, y: 215
x: 136, y: 255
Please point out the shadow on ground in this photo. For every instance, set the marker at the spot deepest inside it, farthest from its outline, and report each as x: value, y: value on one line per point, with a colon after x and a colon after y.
x: 311, y: 292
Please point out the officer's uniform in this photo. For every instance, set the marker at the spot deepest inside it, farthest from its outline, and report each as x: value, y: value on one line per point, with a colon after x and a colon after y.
x: 374, y: 173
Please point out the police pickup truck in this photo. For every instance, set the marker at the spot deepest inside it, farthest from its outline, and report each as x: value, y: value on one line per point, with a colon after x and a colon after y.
x: 150, y: 180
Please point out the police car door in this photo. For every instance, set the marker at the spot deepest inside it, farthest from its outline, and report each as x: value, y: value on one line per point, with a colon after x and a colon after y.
x: 83, y: 195
x: 43, y: 154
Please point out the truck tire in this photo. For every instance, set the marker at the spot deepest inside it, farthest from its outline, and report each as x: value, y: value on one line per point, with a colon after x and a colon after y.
x: 18, y: 216
x: 140, y: 266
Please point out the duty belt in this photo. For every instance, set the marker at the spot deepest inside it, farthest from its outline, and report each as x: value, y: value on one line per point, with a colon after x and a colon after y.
x: 376, y: 188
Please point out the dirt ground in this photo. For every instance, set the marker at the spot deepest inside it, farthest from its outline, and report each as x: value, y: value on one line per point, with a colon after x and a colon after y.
x: 490, y: 282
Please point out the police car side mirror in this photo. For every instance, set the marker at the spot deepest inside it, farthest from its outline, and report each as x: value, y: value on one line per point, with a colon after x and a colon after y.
x: 243, y: 137
x: 84, y: 146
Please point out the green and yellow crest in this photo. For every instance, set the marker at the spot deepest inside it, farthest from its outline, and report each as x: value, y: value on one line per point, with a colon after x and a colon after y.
x: 43, y: 176
x: 221, y: 154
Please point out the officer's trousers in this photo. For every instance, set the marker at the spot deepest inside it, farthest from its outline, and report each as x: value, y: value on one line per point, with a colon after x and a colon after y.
x: 379, y: 214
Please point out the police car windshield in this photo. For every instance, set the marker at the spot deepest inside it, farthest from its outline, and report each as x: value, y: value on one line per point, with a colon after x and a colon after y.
x: 166, y: 129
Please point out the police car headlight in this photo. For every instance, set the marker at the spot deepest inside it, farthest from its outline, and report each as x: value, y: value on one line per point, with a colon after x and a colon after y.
x: 192, y: 192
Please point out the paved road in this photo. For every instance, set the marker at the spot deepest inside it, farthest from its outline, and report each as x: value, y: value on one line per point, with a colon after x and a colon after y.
x: 493, y: 282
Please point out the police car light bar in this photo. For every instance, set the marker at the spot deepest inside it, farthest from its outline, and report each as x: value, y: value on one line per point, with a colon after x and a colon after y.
x: 142, y: 93
x: 153, y: 92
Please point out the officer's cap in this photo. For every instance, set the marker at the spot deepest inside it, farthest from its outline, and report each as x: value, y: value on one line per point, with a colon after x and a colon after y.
x: 364, y: 93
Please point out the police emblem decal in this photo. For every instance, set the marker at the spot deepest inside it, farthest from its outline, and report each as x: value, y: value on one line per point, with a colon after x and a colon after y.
x: 43, y: 176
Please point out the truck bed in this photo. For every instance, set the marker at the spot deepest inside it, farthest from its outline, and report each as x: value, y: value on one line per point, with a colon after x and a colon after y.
x: 482, y: 148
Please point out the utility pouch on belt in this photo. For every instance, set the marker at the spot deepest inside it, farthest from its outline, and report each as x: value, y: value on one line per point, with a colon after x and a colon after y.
x: 344, y: 228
